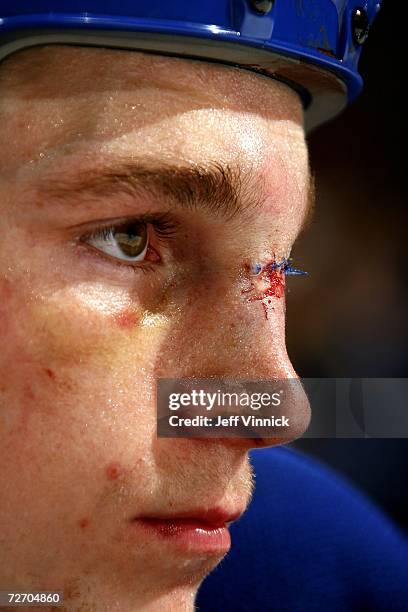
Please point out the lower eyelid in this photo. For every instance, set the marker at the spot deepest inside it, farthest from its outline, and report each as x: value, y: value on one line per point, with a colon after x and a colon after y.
x: 85, y: 250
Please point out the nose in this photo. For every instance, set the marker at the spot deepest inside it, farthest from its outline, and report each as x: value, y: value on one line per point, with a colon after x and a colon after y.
x: 223, y: 335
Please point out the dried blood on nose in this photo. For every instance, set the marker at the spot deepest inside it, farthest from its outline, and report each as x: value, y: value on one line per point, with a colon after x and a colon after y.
x: 276, y: 284
x: 275, y: 288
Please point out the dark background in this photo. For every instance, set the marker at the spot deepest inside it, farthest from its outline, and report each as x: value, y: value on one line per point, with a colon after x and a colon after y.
x: 348, y: 318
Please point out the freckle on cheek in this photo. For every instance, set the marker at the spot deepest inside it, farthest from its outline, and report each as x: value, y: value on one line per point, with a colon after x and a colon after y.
x: 84, y: 523
x: 113, y: 471
x: 50, y: 373
x: 126, y: 319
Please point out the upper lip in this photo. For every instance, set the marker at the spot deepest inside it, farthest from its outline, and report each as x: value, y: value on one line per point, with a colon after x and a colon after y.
x: 214, y: 517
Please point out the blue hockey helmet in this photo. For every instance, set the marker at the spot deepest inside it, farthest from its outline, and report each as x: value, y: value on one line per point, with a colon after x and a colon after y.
x: 312, y: 45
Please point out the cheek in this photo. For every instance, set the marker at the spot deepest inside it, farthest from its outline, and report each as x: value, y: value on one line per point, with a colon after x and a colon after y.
x: 68, y: 366
x: 71, y: 330
x: 76, y: 403
x: 127, y: 319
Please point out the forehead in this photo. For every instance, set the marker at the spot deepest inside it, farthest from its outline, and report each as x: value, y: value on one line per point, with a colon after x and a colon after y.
x: 62, y: 98
x: 86, y: 70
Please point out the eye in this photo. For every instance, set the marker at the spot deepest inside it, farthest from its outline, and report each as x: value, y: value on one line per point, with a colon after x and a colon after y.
x: 127, y: 241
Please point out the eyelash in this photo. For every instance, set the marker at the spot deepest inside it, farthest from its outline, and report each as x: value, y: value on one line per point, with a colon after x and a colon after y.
x: 164, y: 227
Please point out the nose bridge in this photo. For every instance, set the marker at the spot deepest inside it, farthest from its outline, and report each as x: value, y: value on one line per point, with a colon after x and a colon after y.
x: 224, y: 335
x: 232, y: 335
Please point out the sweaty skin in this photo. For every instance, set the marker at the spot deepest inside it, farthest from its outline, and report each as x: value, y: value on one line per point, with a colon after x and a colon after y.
x: 84, y: 338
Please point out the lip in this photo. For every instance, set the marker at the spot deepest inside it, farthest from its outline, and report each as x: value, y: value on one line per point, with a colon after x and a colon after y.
x: 196, y: 531
x: 215, y: 517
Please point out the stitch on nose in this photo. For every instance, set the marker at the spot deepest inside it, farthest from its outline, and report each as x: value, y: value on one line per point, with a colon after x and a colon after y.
x: 273, y: 273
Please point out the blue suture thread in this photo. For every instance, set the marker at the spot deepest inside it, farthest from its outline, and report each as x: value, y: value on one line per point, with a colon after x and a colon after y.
x: 289, y: 271
x: 256, y: 268
x: 283, y: 266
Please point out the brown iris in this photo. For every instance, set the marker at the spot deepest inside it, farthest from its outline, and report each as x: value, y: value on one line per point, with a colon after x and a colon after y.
x: 131, y: 238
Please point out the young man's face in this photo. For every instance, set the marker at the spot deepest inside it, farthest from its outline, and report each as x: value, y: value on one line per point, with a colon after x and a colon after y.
x: 109, y: 283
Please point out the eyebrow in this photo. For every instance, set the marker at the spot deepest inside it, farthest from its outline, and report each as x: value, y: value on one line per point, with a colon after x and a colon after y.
x: 221, y: 189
